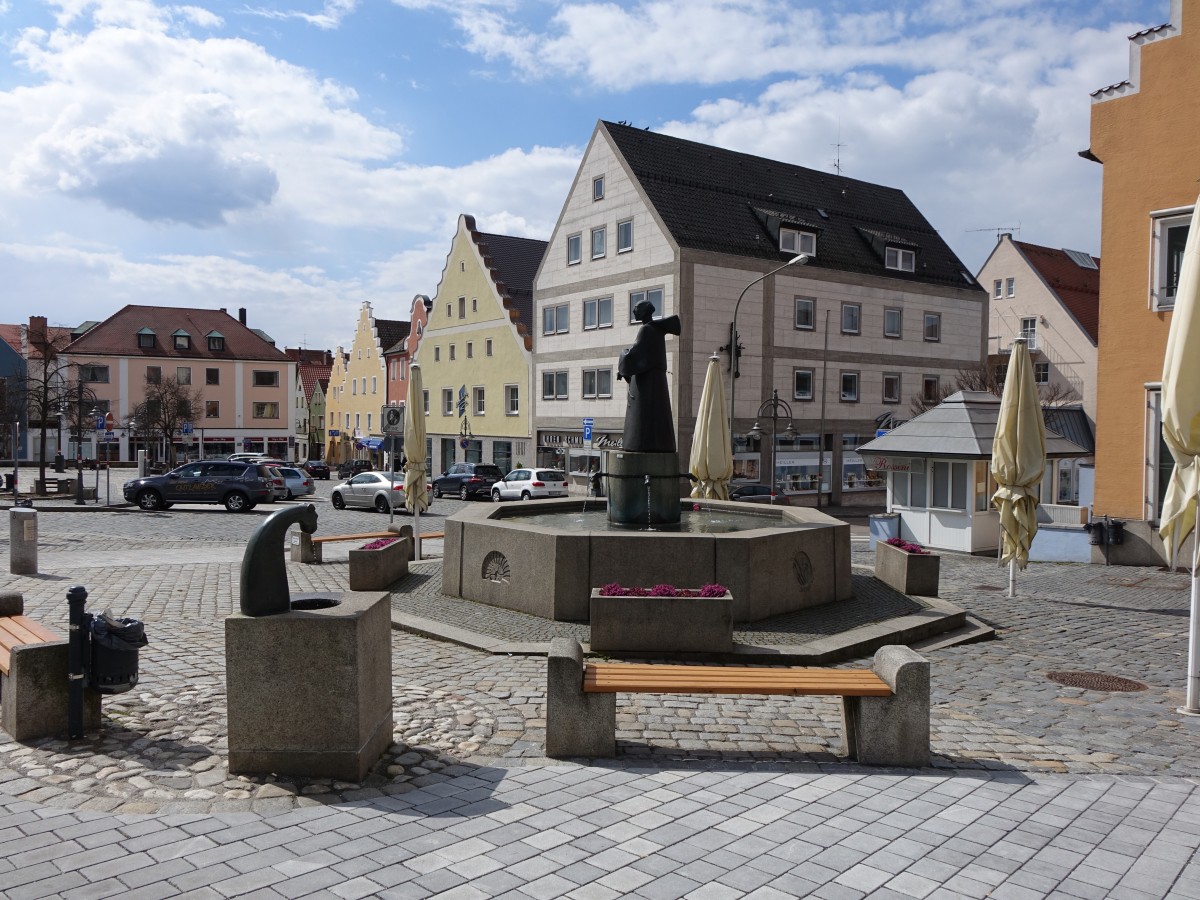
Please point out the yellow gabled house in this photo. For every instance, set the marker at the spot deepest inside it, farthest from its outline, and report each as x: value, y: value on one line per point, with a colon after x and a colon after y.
x: 476, y: 355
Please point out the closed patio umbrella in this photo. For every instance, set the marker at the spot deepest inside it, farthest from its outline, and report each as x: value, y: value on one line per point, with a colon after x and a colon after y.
x: 1181, y: 432
x: 1018, y: 461
x: 711, y: 461
x: 415, y: 499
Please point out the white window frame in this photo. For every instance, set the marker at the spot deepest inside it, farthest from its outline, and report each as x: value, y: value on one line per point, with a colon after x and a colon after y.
x: 896, y: 378
x: 597, y: 390
x: 797, y: 393
x: 575, y: 248
x: 636, y: 297
x: 425, y: 401
x: 596, y: 308
x: 599, y: 239
x: 487, y: 347
x: 558, y: 379
x: 899, y: 259
x: 930, y: 395
x: 793, y: 240
x: 857, y: 309
x: 479, y: 400
x: 1162, y: 294
x: 265, y: 410
x: 845, y: 396
x: 1041, y: 373
x: 560, y: 313
x: 512, y: 399
x: 1010, y: 287
x: 625, y: 235
x: 934, y: 319
x: 598, y: 187
x: 997, y: 288
x: 447, y: 401
x: 899, y: 330
x: 811, y: 304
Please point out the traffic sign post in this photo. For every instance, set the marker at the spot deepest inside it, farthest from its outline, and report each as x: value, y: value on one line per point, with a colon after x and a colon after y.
x: 587, y: 429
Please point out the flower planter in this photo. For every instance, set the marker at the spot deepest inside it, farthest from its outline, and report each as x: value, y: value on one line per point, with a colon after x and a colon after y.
x: 909, y: 573
x: 378, y: 569
x: 662, y: 624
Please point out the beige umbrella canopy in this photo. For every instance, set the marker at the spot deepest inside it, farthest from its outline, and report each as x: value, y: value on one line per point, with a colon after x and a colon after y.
x: 415, y: 497
x: 711, y: 461
x: 1018, y: 460
x: 1181, y: 432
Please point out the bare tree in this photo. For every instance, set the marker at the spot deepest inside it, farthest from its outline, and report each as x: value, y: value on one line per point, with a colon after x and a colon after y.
x: 45, y: 388
x: 166, y: 406
x: 987, y: 377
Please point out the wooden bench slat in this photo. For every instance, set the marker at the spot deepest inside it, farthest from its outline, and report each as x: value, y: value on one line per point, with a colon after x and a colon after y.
x: 369, y: 536
x: 37, y: 628
x: 17, y: 630
x: 667, y: 679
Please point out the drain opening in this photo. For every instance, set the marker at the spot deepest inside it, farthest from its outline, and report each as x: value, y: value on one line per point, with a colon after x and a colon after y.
x: 1096, y: 681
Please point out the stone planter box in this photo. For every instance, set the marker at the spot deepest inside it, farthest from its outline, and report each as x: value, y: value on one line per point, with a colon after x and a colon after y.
x: 377, y: 570
x: 909, y: 573
x: 662, y: 624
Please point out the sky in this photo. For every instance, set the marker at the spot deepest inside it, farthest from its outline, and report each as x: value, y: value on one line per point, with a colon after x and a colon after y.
x: 299, y: 157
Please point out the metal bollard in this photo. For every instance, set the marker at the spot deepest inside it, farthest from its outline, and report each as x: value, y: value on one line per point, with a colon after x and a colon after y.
x: 76, y: 659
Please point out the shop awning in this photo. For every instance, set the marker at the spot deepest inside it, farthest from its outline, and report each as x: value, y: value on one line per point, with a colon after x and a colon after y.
x: 370, y: 443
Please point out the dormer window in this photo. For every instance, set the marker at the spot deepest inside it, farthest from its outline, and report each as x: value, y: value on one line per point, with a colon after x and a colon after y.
x: 900, y: 260
x: 145, y: 339
x: 181, y: 340
x: 793, y: 241
x: 216, y: 341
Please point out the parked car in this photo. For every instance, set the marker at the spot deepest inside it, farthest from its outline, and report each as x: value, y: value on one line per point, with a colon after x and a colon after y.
x: 758, y: 493
x: 467, y: 480
x: 238, y: 485
x: 353, y: 467
x: 276, y: 482
x: 298, y: 483
x: 316, y: 469
x: 530, y: 484
x: 371, y: 490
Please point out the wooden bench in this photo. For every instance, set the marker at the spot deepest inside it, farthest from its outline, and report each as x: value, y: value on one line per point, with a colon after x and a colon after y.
x: 307, y: 549
x: 885, y: 709
x: 33, y: 677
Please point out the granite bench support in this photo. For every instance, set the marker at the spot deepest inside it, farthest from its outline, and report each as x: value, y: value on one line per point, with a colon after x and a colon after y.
x: 885, y: 710
x: 33, y: 677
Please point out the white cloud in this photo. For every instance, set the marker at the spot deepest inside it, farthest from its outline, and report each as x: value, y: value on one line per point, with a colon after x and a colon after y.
x: 331, y: 15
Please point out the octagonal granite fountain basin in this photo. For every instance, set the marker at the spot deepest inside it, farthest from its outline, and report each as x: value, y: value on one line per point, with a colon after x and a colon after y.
x: 543, y: 557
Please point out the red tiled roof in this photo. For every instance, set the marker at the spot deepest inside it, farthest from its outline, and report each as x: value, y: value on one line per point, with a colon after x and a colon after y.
x: 1077, y: 288
x: 117, y: 335
x: 311, y: 375
x: 13, y: 335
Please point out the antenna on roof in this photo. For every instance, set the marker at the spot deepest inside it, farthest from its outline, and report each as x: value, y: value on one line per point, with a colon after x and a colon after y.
x: 837, y: 160
x: 1000, y: 230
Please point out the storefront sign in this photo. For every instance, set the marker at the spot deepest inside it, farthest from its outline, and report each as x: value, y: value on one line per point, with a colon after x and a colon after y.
x: 576, y: 439
x: 894, y: 463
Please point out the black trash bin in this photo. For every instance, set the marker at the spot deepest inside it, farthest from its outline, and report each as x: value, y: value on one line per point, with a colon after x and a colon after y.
x: 115, y: 645
x: 1116, y: 532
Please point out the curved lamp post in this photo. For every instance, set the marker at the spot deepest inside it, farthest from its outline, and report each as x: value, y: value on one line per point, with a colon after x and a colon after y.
x: 799, y: 260
x: 776, y: 409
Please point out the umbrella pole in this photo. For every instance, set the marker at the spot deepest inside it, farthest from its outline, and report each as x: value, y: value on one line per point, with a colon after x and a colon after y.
x: 1012, y: 578
x: 1192, y: 707
x: 416, y: 532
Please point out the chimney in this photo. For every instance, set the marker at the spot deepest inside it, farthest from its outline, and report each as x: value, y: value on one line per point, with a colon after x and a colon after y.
x: 37, y: 333
x: 242, y: 314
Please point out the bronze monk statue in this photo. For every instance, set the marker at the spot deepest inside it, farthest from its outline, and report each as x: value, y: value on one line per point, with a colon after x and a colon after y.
x: 649, y: 425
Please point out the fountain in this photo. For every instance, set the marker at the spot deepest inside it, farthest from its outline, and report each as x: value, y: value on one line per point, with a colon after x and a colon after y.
x: 544, y: 557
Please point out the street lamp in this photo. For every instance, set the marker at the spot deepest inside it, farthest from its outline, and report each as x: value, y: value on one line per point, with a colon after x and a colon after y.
x: 800, y: 260
x: 775, y: 408
x: 60, y: 461
x: 83, y: 396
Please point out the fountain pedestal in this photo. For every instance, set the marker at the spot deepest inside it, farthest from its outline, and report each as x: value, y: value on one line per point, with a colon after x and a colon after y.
x: 643, y: 489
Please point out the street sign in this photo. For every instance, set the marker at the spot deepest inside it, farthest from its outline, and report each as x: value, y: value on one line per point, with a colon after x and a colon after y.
x: 99, y: 423
x: 186, y: 428
x: 462, y: 401
x: 392, y: 418
x: 587, y: 429
x: 109, y: 436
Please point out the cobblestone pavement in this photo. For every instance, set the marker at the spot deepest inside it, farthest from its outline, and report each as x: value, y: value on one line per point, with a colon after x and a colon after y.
x: 1037, y: 789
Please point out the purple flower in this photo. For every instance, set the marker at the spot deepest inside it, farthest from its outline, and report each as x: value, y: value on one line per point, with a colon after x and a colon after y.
x: 906, y: 546
x: 378, y: 544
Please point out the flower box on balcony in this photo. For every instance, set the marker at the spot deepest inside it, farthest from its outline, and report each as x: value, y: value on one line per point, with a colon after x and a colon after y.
x: 378, y: 565
x: 644, y: 622
x: 909, y: 571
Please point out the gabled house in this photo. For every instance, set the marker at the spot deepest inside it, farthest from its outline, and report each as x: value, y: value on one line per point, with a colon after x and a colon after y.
x: 312, y: 377
x: 477, y: 351
x: 400, y: 355
x: 881, y: 310
x: 1144, y: 133
x: 243, y: 387
x: 358, y: 389
x: 1050, y: 298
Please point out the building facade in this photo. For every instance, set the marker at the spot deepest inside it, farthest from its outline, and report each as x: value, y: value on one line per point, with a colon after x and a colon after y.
x: 477, y: 351
x: 244, y: 387
x: 880, y: 311
x: 1144, y: 131
x: 312, y: 375
x: 399, y: 356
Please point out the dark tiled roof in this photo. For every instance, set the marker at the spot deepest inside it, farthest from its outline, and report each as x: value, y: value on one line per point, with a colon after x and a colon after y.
x: 391, y: 332
x: 117, y: 335
x: 1078, y: 288
x: 721, y: 201
x: 1072, y: 423
x: 513, y: 263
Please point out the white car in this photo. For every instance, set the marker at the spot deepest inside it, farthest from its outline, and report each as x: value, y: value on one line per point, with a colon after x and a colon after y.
x: 530, y: 484
x: 372, y: 490
x: 297, y: 482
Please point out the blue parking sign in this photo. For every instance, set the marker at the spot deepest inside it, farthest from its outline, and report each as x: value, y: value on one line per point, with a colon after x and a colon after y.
x: 587, y: 429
